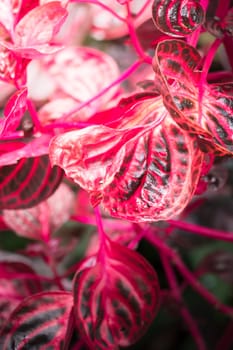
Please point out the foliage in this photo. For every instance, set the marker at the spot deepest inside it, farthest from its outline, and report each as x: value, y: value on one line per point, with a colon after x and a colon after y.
x: 116, y: 140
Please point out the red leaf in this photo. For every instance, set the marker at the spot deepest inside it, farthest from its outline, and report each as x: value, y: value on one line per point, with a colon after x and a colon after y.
x: 13, y: 67
x: 196, y: 106
x: 40, y: 221
x: 14, y: 110
x: 113, y: 306
x: 39, y: 322
x: 13, y: 150
x: 146, y: 170
x: 28, y: 183
x: 177, y: 17
x: 35, y: 31
x: 16, y: 283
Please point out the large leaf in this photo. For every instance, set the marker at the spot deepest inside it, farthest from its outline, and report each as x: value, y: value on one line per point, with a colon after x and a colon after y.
x: 196, y: 106
x: 28, y: 182
x: 39, y: 322
x: 116, y: 299
x: 177, y: 17
x: 145, y: 170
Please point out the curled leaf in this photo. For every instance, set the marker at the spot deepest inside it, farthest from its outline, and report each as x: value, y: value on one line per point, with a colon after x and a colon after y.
x: 196, y: 106
x: 177, y: 17
x: 113, y: 306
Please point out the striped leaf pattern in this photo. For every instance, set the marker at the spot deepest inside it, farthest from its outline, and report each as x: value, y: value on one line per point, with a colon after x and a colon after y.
x: 27, y: 183
x: 115, y: 301
x: 39, y: 322
x: 177, y: 17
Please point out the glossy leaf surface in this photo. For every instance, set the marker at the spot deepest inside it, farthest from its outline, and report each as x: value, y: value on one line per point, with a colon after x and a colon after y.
x: 177, y: 17
x: 17, y: 281
x: 39, y: 322
x: 28, y: 182
x: 40, y: 221
x: 145, y: 170
x: 113, y: 306
x: 196, y: 106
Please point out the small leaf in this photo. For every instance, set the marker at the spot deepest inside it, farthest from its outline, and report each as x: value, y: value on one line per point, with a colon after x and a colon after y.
x: 35, y: 31
x: 39, y: 322
x: 40, y: 221
x: 115, y: 301
x: 14, y: 110
x: 27, y: 183
x: 177, y: 17
x: 17, y: 281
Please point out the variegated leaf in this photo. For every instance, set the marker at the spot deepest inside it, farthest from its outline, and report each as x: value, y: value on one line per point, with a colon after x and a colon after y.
x: 39, y: 322
x: 196, y: 106
x: 27, y: 183
x: 177, y: 17
x: 146, y: 170
x: 114, y: 307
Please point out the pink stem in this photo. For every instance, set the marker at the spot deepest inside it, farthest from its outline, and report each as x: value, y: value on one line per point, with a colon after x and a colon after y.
x: 190, y: 278
x: 105, y: 7
x: 202, y: 231
x: 102, y: 236
x: 123, y: 76
x: 134, y: 38
x: 34, y: 115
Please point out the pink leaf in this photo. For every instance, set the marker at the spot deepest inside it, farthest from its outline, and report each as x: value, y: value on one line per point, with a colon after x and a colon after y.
x: 13, y: 150
x: 27, y: 183
x: 196, y: 106
x: 146, y: 170
x: 177, y: 17
x: 13, y: 67
x: 16, y: 283
x: 40, y: 221
x: 113, y: 306
x: 14, y: 110
x: 35, y: 31
x: 82, y: 72
x: 40, y: 321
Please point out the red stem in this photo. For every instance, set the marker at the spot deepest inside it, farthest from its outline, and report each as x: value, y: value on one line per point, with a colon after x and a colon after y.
x: 202, y: 231
x: 105, y: 7
x: 123, y: 76
x: 134, y: 38
x: 177, y: 293
x: 188, y: 275
x: 226, y: 341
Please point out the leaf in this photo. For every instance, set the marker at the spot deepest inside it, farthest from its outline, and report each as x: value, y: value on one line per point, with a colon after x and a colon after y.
x: 42, y: 220
x: 177, y: 17
x: 113, y: 306
x: 27, y: 183
x: 13, y: 150
x: 81, y: 73
x: 35, y: 31
x: 17, y: 281
x: 14, y: 110
x: 203, y: 109
x: 13, y: 67
x: 146, y: 170
x: 40, y: 321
